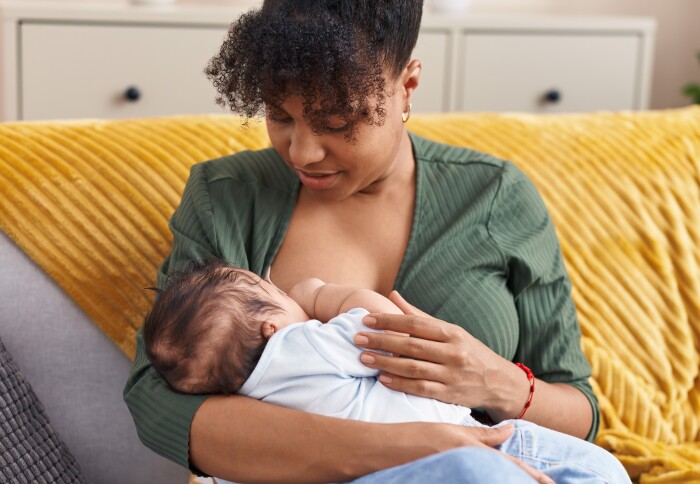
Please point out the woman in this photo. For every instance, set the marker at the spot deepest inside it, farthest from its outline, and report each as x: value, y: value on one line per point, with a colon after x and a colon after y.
x: 348, y: 196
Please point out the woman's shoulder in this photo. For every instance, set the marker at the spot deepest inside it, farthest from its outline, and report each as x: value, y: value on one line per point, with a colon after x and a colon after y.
x: 465, y: 165
x: 438, y: 153
x: 260, y: 167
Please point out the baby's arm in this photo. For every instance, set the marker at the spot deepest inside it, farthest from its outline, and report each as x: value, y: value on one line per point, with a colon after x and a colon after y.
x: 324, y: 301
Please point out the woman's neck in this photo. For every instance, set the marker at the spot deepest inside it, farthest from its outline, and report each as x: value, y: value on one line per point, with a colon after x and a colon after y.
x: 399, y: 175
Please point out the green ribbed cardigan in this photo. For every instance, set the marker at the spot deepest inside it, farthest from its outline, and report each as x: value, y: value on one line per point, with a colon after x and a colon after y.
x: 482, y: 254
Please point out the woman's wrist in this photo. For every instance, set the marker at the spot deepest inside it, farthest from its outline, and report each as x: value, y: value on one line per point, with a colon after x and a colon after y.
x: 510, y: 391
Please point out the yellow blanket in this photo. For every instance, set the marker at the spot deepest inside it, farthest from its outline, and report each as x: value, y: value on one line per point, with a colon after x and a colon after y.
x: 89, y: 202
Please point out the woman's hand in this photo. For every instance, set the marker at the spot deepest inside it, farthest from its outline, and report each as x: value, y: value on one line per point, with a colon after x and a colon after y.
x: 445, y: 362
x: 443, y: 437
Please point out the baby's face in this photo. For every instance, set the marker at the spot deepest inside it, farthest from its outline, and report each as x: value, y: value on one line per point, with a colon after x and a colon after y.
x: 292, y: 312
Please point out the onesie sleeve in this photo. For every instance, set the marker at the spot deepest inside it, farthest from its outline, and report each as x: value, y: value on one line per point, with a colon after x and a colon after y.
x: 550, y: 337
x: 333, y: 341
x: 162, y: 416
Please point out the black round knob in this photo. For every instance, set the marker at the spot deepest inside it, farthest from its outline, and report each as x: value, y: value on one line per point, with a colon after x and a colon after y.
x: 132, y: 94
x: 552, y: 96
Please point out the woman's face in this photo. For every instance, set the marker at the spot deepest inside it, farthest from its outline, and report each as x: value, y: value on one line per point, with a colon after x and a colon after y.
x: 329, y: 166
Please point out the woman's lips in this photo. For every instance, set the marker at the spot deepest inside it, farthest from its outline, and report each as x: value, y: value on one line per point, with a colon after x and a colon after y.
x: 318, y: 181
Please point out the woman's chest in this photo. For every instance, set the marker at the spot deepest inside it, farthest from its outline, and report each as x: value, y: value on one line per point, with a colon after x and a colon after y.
x: 460, y: 276
x: 349, y: 247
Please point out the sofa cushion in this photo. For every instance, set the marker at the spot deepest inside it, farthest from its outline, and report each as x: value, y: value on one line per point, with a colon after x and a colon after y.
x: 30, y: 449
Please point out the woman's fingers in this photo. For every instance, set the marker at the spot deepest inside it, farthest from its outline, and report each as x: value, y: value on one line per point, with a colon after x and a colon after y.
x: 423, y: 327
x: 405, y: 306
x: 538, y: 476
x: 493, y: 437
x: 414, y: 370
x: 414, y: 386
x: 421, y: 349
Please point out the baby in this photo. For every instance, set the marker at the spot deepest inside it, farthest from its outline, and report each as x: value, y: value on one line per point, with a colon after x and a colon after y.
x: 220, y: 329
x: 236, y: 313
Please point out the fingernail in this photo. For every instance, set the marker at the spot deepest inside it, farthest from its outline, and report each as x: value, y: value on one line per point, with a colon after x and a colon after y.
x: 369, y: 321
x: 385, y: 379
x: 360, y: 340
x: 365, y: 358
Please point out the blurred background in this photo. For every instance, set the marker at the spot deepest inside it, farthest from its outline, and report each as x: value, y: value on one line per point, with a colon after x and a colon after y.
x: 556, y: 56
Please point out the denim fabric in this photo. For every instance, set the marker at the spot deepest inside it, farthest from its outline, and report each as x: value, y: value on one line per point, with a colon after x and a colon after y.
x: 564, y: 458
x: 464, y: 465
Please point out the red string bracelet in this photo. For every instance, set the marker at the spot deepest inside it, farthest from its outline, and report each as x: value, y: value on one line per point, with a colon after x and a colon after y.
x: 530, y: 377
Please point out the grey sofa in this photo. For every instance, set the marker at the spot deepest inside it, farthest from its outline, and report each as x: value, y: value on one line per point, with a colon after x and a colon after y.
x: 77, y: 373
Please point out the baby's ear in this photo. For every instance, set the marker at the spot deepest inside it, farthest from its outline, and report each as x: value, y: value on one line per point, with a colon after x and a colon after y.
x: 268, y: 329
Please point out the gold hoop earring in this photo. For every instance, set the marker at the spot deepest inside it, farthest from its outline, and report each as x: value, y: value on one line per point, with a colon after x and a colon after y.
x: 406, y: 115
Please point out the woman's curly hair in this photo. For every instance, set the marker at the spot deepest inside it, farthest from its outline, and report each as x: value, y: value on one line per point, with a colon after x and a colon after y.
x: 334, y: 54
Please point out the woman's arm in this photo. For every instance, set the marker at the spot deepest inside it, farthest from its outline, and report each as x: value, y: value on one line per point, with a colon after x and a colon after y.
x: 550, y: 337
x: 245, y: 440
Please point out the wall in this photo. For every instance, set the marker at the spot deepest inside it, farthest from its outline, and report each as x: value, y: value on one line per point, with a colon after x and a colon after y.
x: 678, y: 37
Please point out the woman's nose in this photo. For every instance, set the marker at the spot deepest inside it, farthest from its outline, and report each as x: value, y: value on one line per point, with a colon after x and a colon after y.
x: 306, y: 148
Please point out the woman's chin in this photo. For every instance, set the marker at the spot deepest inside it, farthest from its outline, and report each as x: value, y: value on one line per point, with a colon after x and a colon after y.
x: 335, y: 191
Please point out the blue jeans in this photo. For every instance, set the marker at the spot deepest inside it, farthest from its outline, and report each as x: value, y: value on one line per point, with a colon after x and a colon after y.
x: 459, y: 466
x: 563, y: 458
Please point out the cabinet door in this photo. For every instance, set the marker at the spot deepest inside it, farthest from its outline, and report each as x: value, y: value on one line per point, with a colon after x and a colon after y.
x: 548, y: 72
x: 433, y: 50
x: 85, y: 71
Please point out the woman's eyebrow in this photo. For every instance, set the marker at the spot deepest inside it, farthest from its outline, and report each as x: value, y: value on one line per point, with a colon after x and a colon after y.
x: 273, y: 107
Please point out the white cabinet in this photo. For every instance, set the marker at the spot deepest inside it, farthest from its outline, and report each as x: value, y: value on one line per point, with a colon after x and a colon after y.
x: 114, y: 71
x: 539, y: 63
x: 109, y: 60
x: 568, y: 73
x: 117, y: 61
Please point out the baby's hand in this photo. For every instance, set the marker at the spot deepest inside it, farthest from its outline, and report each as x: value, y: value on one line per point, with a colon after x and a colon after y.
x: 304, y: 293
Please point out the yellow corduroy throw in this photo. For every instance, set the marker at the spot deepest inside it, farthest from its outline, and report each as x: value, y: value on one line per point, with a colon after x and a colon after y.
x: 89, y: 201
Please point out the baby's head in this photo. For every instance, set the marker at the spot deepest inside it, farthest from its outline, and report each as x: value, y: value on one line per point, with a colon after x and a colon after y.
x: 205, y: 332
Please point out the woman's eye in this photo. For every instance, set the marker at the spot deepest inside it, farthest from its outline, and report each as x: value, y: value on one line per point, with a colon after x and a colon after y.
x: 279, y: 119
x: 277, y: 115
x: 338, y: 127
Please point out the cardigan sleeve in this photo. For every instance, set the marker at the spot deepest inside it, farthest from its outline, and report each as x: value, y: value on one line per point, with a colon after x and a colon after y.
x: 162, y: 416
x: 550, y: 337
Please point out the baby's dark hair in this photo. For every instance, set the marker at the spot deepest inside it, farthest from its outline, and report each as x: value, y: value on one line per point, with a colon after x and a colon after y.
x: 203, y: 333
x: 334, y: 54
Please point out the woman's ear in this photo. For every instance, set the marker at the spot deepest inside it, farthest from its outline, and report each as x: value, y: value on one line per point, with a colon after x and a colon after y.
x: 267, y: 329
x: 410, y: 78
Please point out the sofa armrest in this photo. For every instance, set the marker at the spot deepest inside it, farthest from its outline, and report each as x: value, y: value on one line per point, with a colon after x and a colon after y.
x: 76, y: 372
